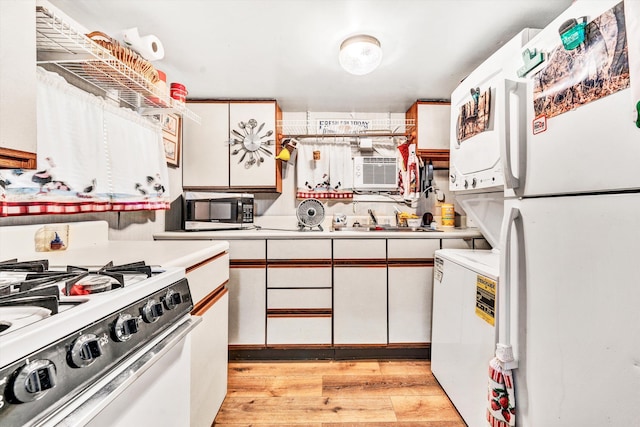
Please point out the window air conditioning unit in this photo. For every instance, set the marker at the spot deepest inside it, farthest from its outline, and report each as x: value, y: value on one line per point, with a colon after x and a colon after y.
x: 375, y: 173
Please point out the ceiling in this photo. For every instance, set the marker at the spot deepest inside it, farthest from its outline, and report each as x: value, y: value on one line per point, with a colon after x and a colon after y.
x: 288, y: 49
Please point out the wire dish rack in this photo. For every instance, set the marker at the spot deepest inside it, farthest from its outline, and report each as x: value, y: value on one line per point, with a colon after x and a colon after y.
x: 63, y: 49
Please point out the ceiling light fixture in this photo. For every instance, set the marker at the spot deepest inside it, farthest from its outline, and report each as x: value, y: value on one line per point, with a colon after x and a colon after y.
x: 360, y: 54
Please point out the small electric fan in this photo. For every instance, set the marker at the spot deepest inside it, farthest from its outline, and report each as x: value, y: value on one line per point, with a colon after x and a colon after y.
x: 310, y: 214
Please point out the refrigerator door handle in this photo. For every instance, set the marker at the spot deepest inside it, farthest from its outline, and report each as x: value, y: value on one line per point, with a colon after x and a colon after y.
x: 504, y: 325
x: 517, y: 90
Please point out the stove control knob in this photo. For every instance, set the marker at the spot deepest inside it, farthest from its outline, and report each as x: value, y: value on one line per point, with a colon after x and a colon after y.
x: 172, y: 299
x: 34, y: 379
x: 125, y: 326
x: 151, y: 311
x: 474, y: 182
x: 85, y: 350
x: 466, y: 184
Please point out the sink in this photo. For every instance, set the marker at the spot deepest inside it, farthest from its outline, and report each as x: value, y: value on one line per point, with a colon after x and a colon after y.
x: 386, y: 228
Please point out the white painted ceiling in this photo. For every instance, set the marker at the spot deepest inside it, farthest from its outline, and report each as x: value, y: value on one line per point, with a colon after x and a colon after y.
x: 288, y: 49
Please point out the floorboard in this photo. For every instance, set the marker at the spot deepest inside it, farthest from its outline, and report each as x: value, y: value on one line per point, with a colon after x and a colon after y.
x: 369, y: 393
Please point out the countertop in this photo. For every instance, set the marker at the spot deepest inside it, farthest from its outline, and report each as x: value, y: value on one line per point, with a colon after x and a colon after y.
x: 163, y: 253
x: 272, y: 233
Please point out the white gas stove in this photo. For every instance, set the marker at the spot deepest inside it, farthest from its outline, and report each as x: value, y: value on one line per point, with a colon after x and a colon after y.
x: 64, y: 329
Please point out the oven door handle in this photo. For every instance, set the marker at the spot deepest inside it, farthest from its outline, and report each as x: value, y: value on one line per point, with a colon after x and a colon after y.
x: 109, y: 388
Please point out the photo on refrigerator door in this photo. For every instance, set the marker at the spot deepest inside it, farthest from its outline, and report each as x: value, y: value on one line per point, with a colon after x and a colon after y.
x: 594, y: 69
x: 474, y: 115
x: 633, y: 28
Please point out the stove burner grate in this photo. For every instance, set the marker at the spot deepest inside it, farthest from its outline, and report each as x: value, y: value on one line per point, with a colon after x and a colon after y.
x: 41, y: 287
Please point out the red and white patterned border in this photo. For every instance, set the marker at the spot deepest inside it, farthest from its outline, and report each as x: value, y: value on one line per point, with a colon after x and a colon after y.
x: 67, y: 208
x: 324, y: 195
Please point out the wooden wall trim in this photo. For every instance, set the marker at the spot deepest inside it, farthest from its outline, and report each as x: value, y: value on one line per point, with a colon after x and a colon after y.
x: 298, y: 312
x: 298, y: 263
x: 247, y: 263
x: 356, y: 262
x: 410, y: 262
x: 201, y: 307
x: 206, y: 261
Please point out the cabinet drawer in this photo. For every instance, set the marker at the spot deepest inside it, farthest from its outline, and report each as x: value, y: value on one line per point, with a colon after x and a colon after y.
x: 299, y: 330
x: 247, y: 249
x: 360, y: 249
x: 298, y: 277
x: 298, y: 298
x: 299, y: 249
x: 412, y: 248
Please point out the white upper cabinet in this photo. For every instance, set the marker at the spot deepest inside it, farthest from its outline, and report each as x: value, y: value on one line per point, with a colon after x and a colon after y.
x: 18, y: 140
x: 254, y: 163
x: 205, y: 147
x: 431, y: 136
x: 233, y: 148
x: 433, y: 125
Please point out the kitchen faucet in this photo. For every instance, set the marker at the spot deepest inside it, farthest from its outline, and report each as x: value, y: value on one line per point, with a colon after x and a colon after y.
x: 372, y: 214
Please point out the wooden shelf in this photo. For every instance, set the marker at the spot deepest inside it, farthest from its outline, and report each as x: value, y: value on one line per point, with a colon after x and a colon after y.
x: 439, y: 158
x: 16, y: 159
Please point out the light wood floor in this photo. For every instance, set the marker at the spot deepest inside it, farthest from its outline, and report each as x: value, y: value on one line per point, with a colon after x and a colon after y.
x: 335, y: 394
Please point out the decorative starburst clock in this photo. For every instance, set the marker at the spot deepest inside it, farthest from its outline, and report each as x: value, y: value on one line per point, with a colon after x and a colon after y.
x: 250, y: 144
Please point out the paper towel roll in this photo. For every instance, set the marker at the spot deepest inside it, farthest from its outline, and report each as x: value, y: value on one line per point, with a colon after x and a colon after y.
x: 149, y: 47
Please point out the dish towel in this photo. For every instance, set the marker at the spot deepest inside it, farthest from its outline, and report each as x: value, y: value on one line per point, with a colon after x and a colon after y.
x: 326, y: 177
x: 501, y: 411
x: 409, y: 174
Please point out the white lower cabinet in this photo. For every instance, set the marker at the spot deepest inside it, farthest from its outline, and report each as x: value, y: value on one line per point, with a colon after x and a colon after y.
x: 360, y: 291
x: 360, y: 304
x: 247, y: 292
x: 410, y: 300
x: 210, y: 339
x: 299, y: 292
x: 410, y: 276
x: 247, y: 305
x: 209, y: 359
x: 340, y: 292
x: 298, y: 330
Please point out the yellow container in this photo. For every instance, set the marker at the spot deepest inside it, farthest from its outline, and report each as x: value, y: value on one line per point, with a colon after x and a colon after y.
x: 448, y: 215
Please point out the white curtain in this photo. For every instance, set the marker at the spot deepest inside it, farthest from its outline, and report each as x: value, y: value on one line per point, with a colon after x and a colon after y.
x: 70, y: 138
x: 135, y: 152
x: 92, y: 156
x: 330, y: 175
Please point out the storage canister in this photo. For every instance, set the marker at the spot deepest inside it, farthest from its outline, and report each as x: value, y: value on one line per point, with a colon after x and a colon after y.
x: 448, y: 215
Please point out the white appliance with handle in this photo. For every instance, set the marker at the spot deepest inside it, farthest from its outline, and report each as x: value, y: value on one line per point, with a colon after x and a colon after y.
x: 464, y: 335
x: 571, y: 225
x: 569, y: 235
x: 164, y: 383
x: 464, y: 311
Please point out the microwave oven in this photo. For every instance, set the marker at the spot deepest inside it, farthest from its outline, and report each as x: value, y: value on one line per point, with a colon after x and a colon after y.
x: 217, y: 211
x: 375, y: 173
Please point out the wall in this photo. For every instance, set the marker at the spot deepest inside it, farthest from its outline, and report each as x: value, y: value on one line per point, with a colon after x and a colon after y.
x: 273, y: 210
x: 285, y: 204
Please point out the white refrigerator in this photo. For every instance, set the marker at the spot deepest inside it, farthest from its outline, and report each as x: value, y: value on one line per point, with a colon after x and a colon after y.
x: 569, y: 244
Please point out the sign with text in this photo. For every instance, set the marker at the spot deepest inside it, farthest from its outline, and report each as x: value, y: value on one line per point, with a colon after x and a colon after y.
x: 343, y: 126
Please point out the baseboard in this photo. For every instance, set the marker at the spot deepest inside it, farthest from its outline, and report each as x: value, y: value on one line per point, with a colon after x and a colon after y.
x: 422, y: 352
